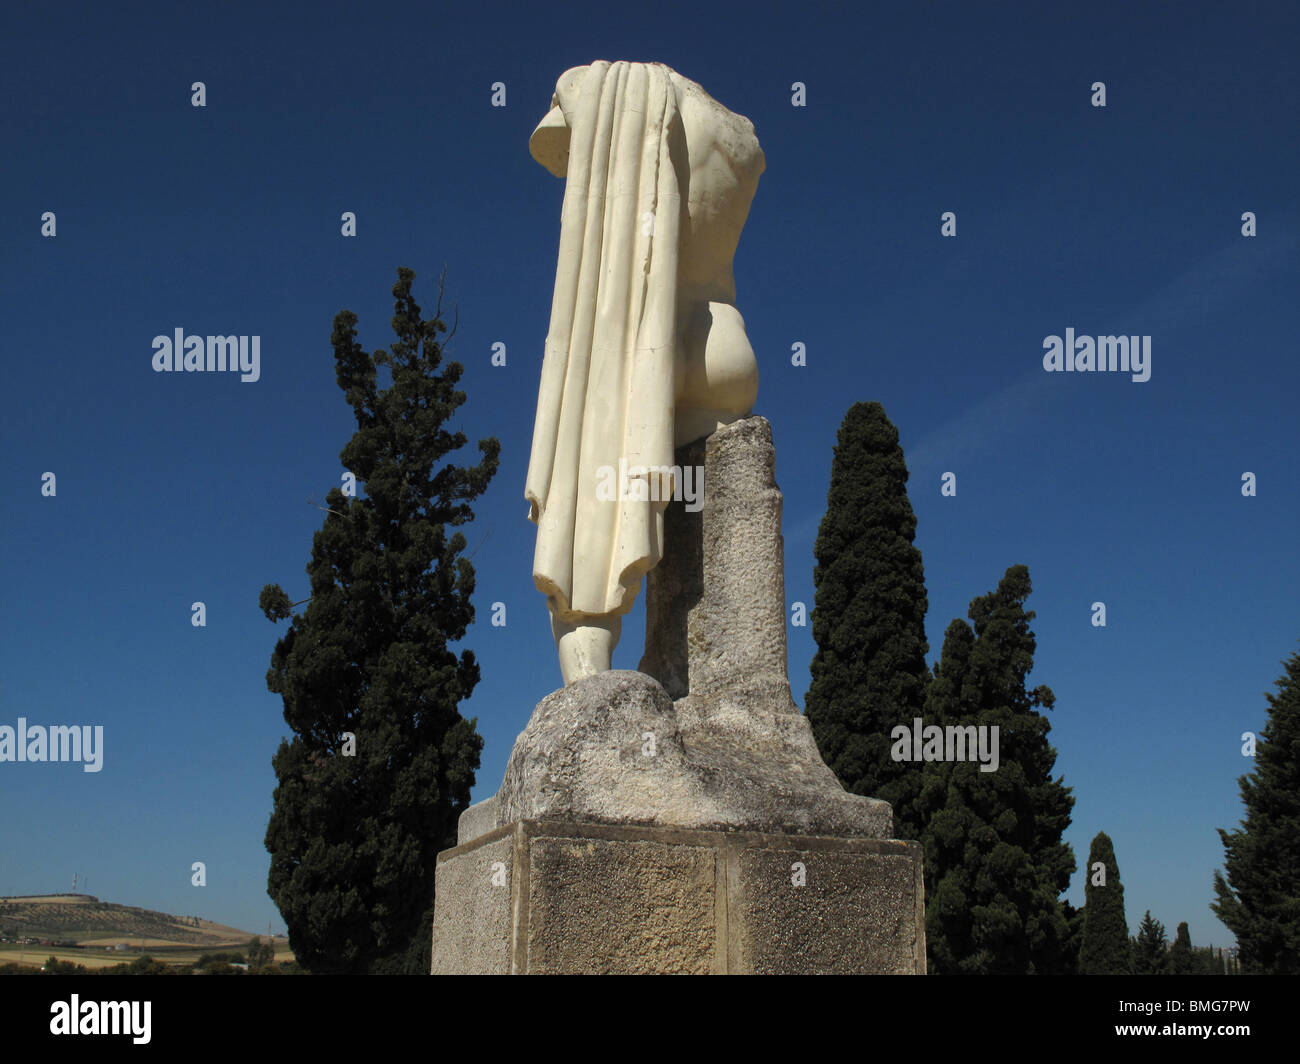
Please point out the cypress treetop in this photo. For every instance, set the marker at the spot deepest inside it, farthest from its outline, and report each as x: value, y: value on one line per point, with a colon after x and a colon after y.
x: 1105, y: 949
x: 869, y: 671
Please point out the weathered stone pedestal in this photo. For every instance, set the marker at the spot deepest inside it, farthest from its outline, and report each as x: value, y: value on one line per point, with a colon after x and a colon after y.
x: 552, y: 897
x: 680, y: 818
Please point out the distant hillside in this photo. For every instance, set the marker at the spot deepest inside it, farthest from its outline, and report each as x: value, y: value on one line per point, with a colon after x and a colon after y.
x: 66, y: 899
x: 85, y: 919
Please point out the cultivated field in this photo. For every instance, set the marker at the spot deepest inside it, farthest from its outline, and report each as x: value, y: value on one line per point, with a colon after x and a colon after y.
x: 35, y: 956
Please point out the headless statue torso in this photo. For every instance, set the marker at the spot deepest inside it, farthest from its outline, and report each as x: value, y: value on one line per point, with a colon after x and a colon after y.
x: 646, y: 349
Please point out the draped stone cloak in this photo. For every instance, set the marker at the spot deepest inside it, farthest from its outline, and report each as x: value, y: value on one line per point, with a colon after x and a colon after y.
x: 607, y: 381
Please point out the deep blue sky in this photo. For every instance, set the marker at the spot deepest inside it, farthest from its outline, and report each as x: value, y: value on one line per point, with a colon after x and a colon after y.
x: 181, y: 487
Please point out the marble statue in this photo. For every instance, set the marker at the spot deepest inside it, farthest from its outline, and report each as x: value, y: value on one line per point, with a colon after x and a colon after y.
x: 677, y: 817
x: 646, y: 351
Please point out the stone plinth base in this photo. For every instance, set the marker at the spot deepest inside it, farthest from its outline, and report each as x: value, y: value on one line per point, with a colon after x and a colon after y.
x: 558, y: 897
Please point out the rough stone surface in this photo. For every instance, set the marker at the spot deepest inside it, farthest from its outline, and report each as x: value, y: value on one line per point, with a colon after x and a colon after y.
x: 788, y: 930
x: 471, y: 917
x: 477, y: 820
x: 589, y: 898
x: 660, y: 896
x: 742, y: 765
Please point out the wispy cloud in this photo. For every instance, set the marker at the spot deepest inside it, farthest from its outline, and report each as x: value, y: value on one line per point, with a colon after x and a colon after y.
x: 1219, y: 278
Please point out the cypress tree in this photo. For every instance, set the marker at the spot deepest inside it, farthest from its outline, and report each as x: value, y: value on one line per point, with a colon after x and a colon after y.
x: 869, y: 671
x: 1181, y: 959
x: 1150, y: 949
x: 381, y: 762
x: 996, y: 862
x: 1259, y: 900
x: 1105, y: 949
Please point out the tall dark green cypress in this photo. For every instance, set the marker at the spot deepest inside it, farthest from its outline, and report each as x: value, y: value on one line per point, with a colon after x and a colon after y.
x: 1105, y: 949
x: 1259, y: 900
x: 993, y: 840
x: 1182, y: 961
x: 381, y: 761
x: 869, y: 671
